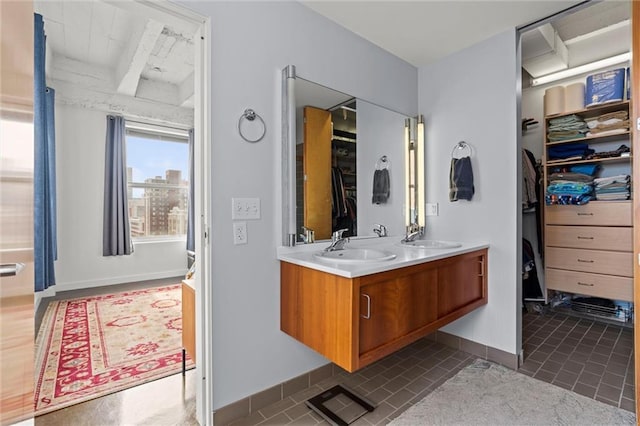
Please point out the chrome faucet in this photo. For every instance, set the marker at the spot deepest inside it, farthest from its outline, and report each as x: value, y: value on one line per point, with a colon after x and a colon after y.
x: 337, y: 241
x: 413, y: 232
x: 380, y: 230
x: 308, y: 235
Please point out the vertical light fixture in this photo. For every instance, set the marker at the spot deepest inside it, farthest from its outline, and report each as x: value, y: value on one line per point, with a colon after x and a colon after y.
x: 420, y: 181
x: 288, y: 156
x: 407, y: 172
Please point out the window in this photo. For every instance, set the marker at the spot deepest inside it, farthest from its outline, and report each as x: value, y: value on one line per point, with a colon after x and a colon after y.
x: 157, y: 180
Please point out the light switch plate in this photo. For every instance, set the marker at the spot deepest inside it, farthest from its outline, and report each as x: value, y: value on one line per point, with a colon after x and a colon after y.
x: 432, y: 209
x: 245, y: 208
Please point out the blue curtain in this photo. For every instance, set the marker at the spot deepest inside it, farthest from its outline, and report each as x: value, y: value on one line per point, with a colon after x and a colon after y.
x: 44, y: 209
x: 116, y: 232
x: 191, y: 208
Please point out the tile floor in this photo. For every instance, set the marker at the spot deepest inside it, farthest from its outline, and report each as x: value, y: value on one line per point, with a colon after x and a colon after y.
x: 588, y: 357
x: 591, y: 358
x: 392, y: 384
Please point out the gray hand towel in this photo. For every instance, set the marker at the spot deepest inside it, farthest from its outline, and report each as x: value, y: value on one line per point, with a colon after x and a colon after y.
x: 461, y: 179
x: 380, y: 187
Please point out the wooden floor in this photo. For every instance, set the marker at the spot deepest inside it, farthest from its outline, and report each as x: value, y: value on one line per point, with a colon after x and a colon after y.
x: 167, y: 401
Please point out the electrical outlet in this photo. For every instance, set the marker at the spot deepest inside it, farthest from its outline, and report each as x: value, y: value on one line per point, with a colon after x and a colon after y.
x: 245, y: 208
x: 432, y: 209
x: 240, y: 233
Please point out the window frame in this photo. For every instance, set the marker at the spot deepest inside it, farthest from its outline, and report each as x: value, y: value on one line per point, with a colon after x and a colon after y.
x: 161, y: 134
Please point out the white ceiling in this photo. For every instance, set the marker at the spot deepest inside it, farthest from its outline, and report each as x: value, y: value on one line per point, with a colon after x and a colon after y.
x: 424, y: 31
x: 105, y: 45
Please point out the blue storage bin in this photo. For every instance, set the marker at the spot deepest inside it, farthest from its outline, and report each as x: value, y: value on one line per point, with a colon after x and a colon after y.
x: 603, y: 87
x: 628, y: 83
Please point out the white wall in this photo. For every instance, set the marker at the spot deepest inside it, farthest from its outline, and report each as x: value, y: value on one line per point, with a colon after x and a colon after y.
x: 471, y: 96
x: 251, y: 43
x: 380, y: 132
x: 80, y: 143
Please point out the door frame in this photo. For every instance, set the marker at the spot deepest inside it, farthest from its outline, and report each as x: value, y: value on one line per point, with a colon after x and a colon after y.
x: 635, y: 131
x: 165, y: 9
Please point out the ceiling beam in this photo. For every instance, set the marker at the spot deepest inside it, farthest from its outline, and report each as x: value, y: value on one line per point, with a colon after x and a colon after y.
x: 134, y: 60
x: 185, y: 91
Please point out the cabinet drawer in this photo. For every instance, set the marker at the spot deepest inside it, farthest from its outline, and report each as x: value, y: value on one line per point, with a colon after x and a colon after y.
x: 606, y: 286
x: 598, y: 213
x: 597, y: 261
x: 590, y: 237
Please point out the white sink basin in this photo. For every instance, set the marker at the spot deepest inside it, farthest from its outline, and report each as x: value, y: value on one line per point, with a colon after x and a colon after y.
x: 354, y: 255
x: 431, y: 244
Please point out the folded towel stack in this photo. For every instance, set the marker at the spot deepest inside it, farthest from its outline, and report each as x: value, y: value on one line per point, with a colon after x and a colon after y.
x: 569, y: 188
x: 609, y: 124
x: 566, y: 128
x: 613, y: 188
x: 574, y: 151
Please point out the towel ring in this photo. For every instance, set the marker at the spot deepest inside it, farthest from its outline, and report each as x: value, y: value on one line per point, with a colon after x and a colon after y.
x: 251, y: 115
x: 383, y: 163
x: 460, y: 147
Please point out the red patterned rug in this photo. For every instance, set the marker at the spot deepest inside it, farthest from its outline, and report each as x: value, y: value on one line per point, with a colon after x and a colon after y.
x: 90, y: 347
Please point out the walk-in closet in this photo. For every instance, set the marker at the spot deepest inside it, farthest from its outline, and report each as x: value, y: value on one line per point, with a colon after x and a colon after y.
x: 577, y: 208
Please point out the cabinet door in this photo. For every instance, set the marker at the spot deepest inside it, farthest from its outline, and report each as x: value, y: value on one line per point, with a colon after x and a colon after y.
x: 393, y: 308
x: 460, y: 283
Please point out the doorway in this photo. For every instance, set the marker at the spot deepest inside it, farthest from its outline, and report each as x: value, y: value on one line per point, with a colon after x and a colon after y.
x: 575, y: 332
x: 176, y: 24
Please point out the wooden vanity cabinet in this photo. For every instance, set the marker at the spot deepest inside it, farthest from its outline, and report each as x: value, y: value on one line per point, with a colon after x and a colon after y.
x: 357, y: 321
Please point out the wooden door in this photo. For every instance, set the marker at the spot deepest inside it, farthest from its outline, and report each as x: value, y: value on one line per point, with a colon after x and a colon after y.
x: 16, y: 212
x: 392, y: 309
x: 460, y: 283
x: 317, y: 172
x: 635, y: 116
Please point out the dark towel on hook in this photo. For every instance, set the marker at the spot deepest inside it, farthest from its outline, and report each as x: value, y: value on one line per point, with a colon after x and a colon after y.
x: 380, y: 187
x: 461, y: 179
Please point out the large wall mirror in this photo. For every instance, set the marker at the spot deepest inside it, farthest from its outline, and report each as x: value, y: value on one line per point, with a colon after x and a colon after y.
x: 333, y: 143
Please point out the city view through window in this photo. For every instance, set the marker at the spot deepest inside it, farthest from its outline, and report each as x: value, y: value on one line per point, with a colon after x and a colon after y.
x: 158, y: 186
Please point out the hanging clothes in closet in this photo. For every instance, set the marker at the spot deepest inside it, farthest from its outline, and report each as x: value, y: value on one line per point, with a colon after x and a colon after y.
x: 532, y: 190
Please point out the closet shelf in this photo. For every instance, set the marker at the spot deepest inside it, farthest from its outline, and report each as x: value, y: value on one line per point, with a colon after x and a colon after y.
x: 592, y: 139
x: 595, y: 160
x: 593, y: 111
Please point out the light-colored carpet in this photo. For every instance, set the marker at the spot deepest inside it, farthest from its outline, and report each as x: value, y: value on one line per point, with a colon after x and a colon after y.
x: 89, y: 347
x: 485, y: 393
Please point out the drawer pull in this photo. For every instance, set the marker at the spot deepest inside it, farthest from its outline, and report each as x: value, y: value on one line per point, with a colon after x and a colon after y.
x: 585, y: 238
x: 585, y: 284
x: 585, y: 261
x: 585, y: 214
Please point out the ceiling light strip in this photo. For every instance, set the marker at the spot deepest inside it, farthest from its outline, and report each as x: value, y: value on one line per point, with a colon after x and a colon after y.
x: 614, y: 60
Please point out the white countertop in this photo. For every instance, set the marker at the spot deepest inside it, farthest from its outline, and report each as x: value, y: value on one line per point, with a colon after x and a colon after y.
x: 303, y: 255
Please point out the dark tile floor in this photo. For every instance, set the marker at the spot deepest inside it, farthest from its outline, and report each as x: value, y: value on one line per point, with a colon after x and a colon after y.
x: 393, y: 384
x: 591, y: 358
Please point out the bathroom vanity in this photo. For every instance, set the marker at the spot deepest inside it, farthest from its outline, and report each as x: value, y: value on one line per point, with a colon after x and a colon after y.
x: 355, y: 313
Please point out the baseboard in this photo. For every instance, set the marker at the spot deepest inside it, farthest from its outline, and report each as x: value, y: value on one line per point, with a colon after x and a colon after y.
x: 246, y: 406
x: 489, y: 353
x: 78, y: 285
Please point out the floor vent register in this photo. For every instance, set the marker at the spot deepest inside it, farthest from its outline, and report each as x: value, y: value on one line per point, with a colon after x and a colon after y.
x: 340, y: 406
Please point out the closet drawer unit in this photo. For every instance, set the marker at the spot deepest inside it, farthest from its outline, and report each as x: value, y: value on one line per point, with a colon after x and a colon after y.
x: 597, y: 213
x: 596, y: 261
x: 590, y: 237
x: 606, y: 286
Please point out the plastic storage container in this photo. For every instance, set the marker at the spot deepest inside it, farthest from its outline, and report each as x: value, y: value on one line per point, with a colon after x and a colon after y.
x: 604, y: 87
